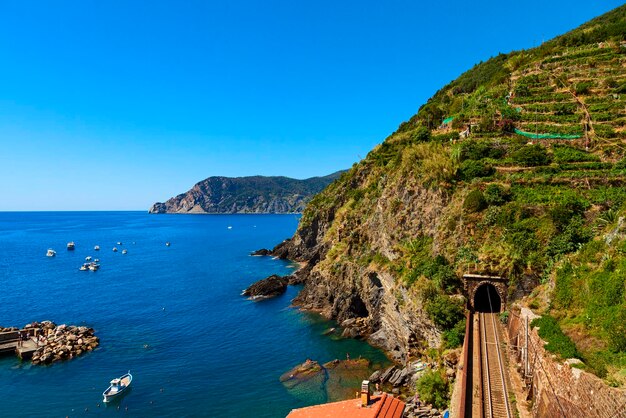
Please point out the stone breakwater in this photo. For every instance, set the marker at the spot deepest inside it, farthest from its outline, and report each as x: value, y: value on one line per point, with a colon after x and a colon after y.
x: 62, y: 342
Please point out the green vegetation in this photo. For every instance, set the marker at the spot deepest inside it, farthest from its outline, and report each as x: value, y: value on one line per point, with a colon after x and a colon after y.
x: 569, y: 154
x: 558, y: 342
x: 531, y: 156
x: 473, y: 196
x: 434, y: 389
x: 474, y: 202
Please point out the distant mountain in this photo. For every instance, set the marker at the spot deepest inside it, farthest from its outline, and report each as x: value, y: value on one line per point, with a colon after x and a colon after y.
x: 255, y: 194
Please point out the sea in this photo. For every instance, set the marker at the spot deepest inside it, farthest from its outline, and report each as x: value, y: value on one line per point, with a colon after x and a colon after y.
x: 172, y: 315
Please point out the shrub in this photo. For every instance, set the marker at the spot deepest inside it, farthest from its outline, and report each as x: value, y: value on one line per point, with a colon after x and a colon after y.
x: 604, y: 131
x: 563, y: 212
x: 445, y: 311
x: 558, y: 342
x: 570, y: 239
x: 616, y: 329
x: 453, y: 338
x: 434, y: 389
x: 492, y: 215
x: 470, y: 169
x: 567, y: 154
x: 451, y: 136
x: 563, y: 109
x: 496, y: 194
x: 474, y: 202
x: 582, y: 87
x: 421, y: 134
x: 430, y: 161
x: 531, y: 156
x: 477, y: 150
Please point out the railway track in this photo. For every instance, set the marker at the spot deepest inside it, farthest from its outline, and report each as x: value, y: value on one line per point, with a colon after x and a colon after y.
x: 495, y: 400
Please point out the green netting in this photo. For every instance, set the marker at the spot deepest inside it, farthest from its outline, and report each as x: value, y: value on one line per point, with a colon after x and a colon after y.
x: 546, y: 136
x: 448, y: 120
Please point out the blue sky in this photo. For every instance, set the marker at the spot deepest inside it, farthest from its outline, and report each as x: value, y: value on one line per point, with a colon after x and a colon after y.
x: 115, y: 105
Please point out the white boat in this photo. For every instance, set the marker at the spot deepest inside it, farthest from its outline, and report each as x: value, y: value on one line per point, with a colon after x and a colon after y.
x: 119, y: 243
x: 94, y: 266
x: 71, y: 245
x: 88, y: 258
x: 124, y: 251
x: 96, y: 260
x: 96, y: 248
x: 84, y: 267
x: 167, y: 243
x: 117, y: 387
x: 51, y: 253
x: 114, y: 249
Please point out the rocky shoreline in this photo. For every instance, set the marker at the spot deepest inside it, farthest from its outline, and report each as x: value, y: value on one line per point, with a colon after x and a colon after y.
x: 57, y: 342
x: 399, y: 379
x: 331, y: 377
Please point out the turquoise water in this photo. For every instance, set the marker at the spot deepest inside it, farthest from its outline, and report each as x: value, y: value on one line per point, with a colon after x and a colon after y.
x: 172, y: 315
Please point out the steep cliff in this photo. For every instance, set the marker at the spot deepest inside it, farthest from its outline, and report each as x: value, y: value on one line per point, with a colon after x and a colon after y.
x: 525, y: 171
x: 256, y: 194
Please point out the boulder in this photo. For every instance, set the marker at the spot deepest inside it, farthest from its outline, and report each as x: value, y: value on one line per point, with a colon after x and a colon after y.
x: 262, y: 251
x: 375, y: 376
x: 348, y: 322
x: 386, y: 374
x: 350, y: 333
x: 271, y: 286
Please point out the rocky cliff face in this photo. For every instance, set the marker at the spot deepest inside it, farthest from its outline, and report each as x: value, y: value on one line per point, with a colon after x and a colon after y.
x: 386, y: 245
x: 339, y: 243
x: 255, y: 194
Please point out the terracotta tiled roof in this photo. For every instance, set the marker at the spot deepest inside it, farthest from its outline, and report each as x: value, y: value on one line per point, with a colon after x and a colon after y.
x: 384, y: 406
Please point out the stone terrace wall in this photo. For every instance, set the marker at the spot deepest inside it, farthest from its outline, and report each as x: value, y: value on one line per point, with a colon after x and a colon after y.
x: 556, y: 388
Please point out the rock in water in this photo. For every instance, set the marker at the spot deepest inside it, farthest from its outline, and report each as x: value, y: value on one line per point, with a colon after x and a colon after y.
x: 271, y: 286
x: 307, y: 382
x: 262, y: 251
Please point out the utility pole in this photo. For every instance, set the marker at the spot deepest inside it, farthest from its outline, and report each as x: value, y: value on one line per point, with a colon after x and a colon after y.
x: 526, y: 368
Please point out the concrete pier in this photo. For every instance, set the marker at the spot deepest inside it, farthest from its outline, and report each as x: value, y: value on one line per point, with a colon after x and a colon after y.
x: 10, y: 344
x: 26, y: 350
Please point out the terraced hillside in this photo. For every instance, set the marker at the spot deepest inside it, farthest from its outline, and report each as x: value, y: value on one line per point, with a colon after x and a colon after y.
x: 516, y: 169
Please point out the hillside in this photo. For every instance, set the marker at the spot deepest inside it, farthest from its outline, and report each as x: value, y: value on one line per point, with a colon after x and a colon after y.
x: 256, y: 194
x: 516, y: 169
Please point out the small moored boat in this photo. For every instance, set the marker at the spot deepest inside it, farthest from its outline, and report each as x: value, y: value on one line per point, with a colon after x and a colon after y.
x: 51, y: 253
x: 84, y: 267
x: 114, y: 249
x: 94, y: 266
x: 167, y: 243
x: 88, y: 258
x: 117, y: 387
x: 71, y: 245
x: 96, y: 248
x: 124, y: 251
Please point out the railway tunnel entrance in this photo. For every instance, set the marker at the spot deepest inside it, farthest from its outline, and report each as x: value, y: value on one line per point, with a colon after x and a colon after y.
x: 487, y: 299
x: 485, y: 293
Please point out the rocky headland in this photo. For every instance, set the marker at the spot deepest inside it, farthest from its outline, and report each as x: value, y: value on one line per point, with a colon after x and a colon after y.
x: 255, y: 194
